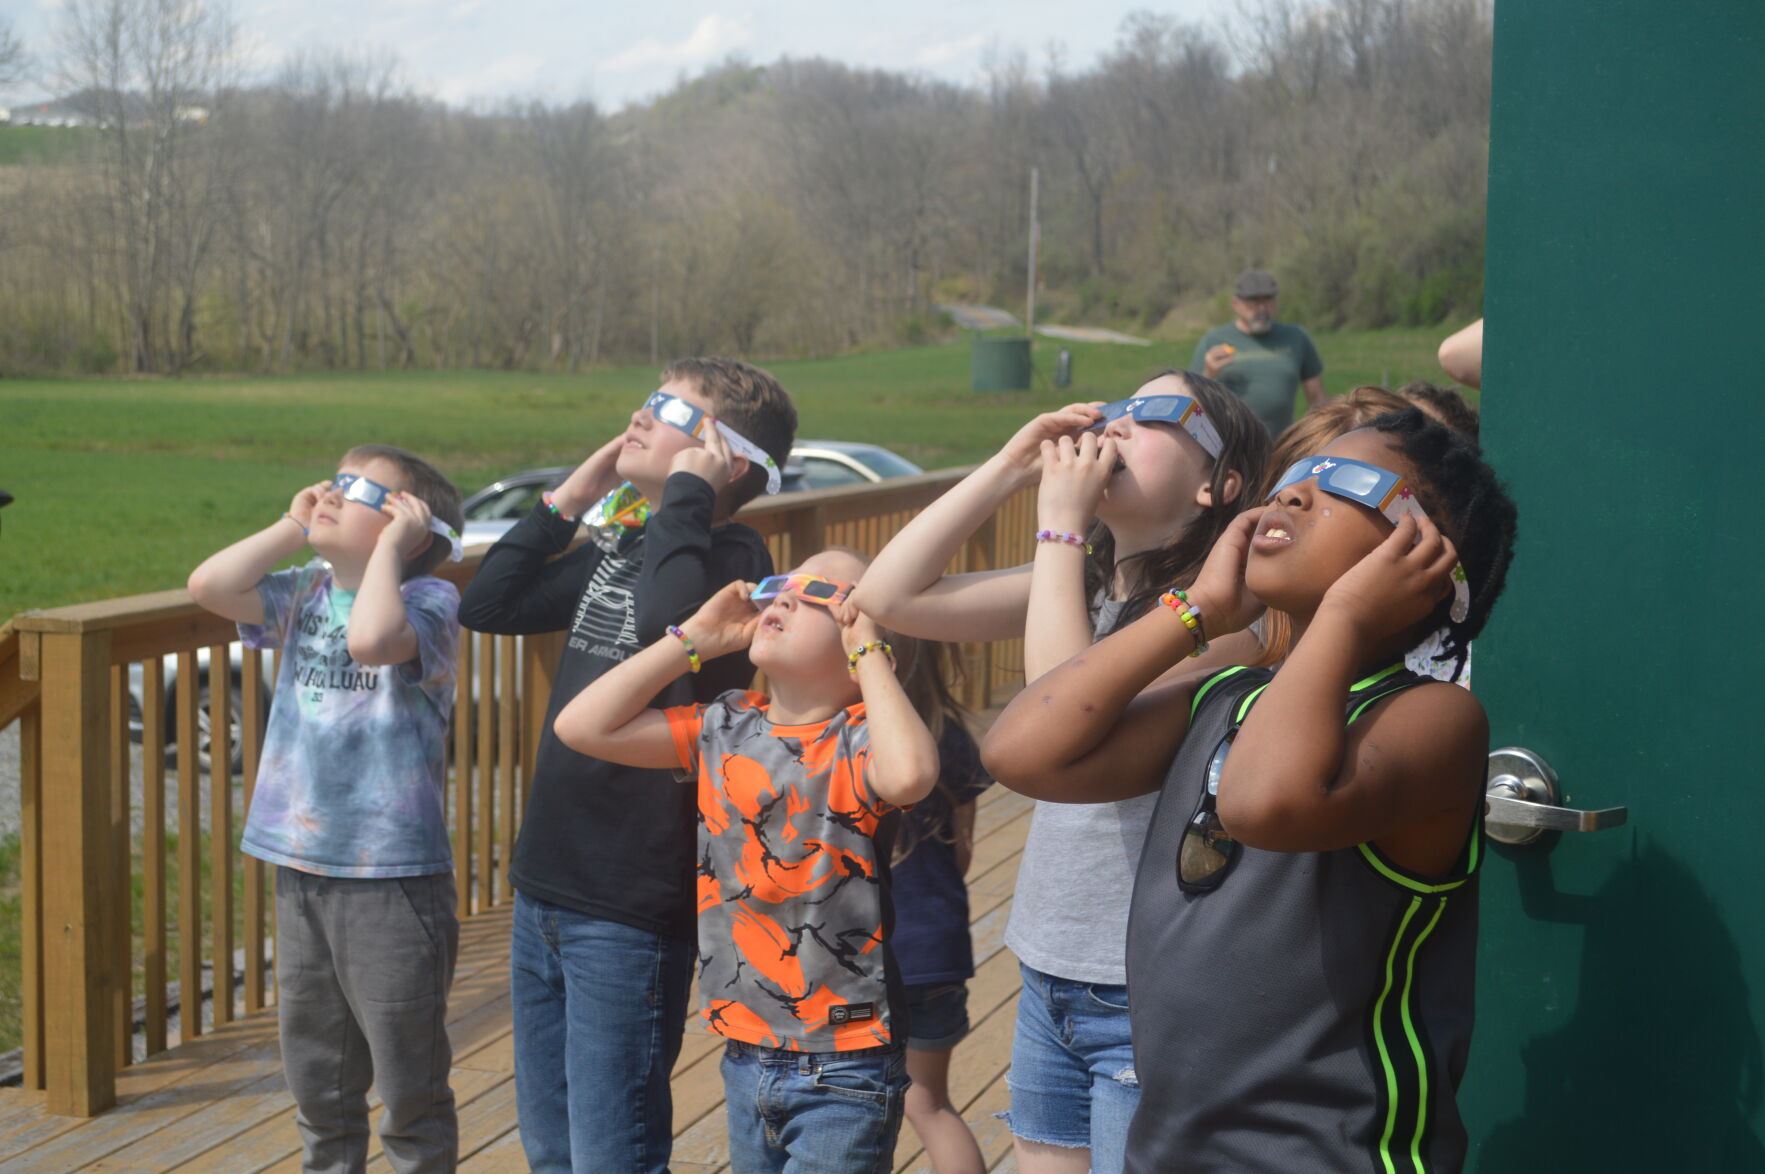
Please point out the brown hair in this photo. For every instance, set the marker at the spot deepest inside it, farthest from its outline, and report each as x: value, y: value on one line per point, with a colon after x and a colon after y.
x: 930, y: 674
x: 425, y: 482
x: 1176, y: 563
x: 750, y: 401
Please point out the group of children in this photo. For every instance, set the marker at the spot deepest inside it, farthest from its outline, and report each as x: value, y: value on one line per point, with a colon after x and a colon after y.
x: 1278, y: 866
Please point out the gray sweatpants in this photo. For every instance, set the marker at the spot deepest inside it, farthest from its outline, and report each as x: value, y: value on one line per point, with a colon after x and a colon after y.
x: 364, y: 968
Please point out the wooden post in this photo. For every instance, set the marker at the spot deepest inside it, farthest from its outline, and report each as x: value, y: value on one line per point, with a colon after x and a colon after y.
x: 30, y: 884
x: 80, y: 890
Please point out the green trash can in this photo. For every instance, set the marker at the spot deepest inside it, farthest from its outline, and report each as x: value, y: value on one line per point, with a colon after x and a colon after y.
x: 999, y: 364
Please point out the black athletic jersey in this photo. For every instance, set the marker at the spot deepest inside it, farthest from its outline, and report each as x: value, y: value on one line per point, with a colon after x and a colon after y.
x: 1313, y: 1012
x: 613, y: 841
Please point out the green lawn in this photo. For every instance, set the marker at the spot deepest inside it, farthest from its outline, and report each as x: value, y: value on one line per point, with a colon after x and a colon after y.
x: 123, y: 485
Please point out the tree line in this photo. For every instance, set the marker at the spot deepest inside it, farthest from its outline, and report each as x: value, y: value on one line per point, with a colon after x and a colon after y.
x: 330, y: 217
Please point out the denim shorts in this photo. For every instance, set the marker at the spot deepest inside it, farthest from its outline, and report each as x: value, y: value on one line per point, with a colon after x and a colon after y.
x: 1072, y: 1074
x: 813, y: 1110
x: 937, y: 1015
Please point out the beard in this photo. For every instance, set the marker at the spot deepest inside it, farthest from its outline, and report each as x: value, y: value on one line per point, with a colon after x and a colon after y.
x: 1260, y: 323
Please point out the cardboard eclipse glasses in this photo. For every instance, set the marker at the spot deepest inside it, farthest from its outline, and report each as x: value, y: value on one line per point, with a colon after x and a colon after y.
x: 1184, y: 411
x: 373, y: 495
x: 696, y: 422
x: 1377, y: 489
x: 807, y: 587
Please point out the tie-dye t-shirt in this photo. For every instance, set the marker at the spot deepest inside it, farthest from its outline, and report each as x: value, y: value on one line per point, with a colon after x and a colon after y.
x: 792, y: 879
x: 354, y: 760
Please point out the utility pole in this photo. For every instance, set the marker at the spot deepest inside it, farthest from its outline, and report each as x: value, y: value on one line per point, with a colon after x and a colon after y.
x: 1035, y: 234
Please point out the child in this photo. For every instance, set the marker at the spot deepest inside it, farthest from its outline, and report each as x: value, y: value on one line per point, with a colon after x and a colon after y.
x: 1170, y: 470
x: 932, y: 942
x: 349, y: 802
x: 1302, y: 942
x: 602, y: 939
x: 794, y: 965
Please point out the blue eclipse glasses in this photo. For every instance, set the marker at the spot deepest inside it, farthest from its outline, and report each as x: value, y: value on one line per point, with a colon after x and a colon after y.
x: 1377, y: 489
x: 373, y: 495
x: 1185, y: 411
x: 695, y: 422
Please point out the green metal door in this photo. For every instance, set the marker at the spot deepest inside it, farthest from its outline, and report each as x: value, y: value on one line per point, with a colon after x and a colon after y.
x: 1621, y: 987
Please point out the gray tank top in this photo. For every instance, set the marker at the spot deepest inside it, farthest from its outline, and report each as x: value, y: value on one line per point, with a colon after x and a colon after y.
x: 1313, y: 1012
x: 1069, y: 914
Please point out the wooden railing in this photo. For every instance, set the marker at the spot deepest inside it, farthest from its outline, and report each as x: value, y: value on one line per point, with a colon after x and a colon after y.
x: 92, y: 833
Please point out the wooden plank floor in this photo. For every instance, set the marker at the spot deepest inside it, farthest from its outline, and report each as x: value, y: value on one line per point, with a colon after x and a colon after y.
x: 219, y: 1103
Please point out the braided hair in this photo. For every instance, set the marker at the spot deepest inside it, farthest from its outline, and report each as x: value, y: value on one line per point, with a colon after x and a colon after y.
x: 1460, y: 491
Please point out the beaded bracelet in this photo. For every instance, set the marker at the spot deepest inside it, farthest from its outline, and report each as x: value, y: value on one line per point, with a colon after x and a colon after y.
x: 1178, y: 601
x: 692, y: 656
x: 881, y: 646
x: 551, y: 505
x: 296, y: 521
x: 1063, y: 536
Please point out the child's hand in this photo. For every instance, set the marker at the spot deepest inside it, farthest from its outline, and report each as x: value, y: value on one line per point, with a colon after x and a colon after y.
x: 856, y: 628
x: 1226, y: 603
x: 1024, y: 450
x: 1073, y: 476
x: 592, y: 480
x: 307, y: 500
x: 711, y: 461
x: 725, y: 623
x: 408, y: 529
x: 1398, y: 584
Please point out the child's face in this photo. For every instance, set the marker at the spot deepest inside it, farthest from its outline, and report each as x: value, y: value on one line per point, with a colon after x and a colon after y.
x: 650, y: 445
x: 1309, y: 538
x: 346, y: 531
x: 1162, y: 470
x: 797, y: 639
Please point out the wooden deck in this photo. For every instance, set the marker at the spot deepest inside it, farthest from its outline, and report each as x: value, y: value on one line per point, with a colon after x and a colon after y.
x: 219, y: 1104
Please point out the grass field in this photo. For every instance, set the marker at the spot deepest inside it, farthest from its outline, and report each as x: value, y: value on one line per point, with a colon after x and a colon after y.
x: 123, y: 485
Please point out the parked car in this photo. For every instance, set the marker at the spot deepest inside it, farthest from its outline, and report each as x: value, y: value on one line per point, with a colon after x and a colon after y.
x: 813, y: 464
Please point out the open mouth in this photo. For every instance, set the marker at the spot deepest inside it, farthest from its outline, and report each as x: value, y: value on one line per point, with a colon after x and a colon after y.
x: 1274, y: 531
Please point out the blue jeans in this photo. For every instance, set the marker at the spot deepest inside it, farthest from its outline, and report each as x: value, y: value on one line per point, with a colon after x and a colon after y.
x: 1072, y: 1068
x: 599, y: 1009
x: 813, y: 1112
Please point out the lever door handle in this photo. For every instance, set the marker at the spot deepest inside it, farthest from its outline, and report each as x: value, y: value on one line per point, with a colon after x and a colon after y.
x: 1522, y: 801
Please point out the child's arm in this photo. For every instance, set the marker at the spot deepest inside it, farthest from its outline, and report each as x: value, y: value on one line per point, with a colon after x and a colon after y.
x: 684, y: 561
x: 522, y: 586
x: 1410, y: 777
x: 905, y: 588
x: 226, y: 581
x: 1058, y: 624
x: 611, y: 719
x: 904, y: 763
x: 1090, y: 730
x: 379, y: 630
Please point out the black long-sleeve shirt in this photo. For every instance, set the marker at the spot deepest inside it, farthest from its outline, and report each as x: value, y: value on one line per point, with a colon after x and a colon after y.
x: 613, y: 841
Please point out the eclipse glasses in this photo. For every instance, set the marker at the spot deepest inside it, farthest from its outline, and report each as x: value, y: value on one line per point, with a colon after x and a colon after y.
x: 1185, y: 411
x: 696, y: 423
x: 1377, y: 489
x: 807, y: 587
x: 373, y: 495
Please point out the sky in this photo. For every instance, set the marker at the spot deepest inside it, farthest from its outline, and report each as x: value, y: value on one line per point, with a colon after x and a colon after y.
x: 466, y: 52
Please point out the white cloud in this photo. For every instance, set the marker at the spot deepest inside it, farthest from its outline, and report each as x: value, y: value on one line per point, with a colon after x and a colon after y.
x: 944, y: 52
x: 714, y: 37
x: 510, y: 73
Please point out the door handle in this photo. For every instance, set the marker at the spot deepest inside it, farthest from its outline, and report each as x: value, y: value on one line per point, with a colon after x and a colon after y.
x: 1522, y: 801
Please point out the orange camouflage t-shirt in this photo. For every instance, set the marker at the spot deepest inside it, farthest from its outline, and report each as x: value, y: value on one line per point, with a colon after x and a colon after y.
x: 793, y: 896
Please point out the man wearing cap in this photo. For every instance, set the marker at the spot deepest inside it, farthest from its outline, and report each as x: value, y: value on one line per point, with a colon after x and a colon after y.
x: 1262, y: 361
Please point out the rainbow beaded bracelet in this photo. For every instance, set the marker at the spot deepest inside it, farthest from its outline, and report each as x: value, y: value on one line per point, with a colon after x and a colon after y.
x: 692, y: 656
x: 1178, y: 601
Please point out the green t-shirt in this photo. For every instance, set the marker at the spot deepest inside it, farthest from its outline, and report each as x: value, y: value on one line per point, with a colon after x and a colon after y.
x: 1267, y: 370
